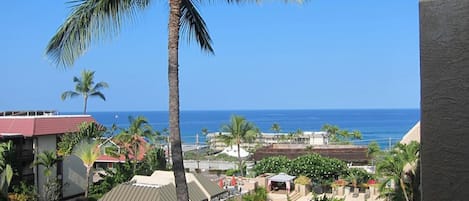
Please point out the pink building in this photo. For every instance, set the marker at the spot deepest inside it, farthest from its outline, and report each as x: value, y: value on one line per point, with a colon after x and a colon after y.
x: 33, y: 132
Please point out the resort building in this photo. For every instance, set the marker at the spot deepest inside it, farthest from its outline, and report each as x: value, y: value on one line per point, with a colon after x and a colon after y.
x: 33, y: 132
x: 265, y: 139
x: 160, y: 187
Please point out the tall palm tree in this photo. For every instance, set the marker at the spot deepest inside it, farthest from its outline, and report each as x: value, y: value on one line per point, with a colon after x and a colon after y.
x: 239, y: 130
x: 95, y: 19
x: 132, y: 137
x: 88, y: 153
x: 85, y: 87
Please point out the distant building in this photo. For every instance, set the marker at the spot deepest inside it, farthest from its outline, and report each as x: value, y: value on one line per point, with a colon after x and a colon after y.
x: 305, y: 138
x: 107, y: 160
x: 352, y: 154
x: 33, y: 132
x: 160, y: 187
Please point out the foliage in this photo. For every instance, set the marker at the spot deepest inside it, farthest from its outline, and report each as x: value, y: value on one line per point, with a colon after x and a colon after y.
x: 53, y: 189
x: 373, y: 149
x: 303, y: 180
x: 321, y: 169
x: 154, y: 160
x: 275, y: 164
x: 85, y: 87
x: 401, y: 167
x: 47, y: 159
x: 132, y: 138
x: 87, y: 131
x: 259, y: 194
x: 339, y: 136
x: 276, y: 127
x: 358, y: 176
x: 6, y: 161
x: 231, y: 172
x: 121, y: 173
x: 240, y: 130
x: 88, y: 153
x: 25, y: 192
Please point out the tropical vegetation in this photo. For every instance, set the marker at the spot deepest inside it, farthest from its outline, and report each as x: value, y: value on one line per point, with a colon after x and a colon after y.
x: 91, y: 20
x: 86, y: 87
x: 133, y: 137
x: 88, y: 154
x: 48, y: 160
x: 340, y: 136
x: 401, y: 168
x: 238, y: 131
x: 6, y: 150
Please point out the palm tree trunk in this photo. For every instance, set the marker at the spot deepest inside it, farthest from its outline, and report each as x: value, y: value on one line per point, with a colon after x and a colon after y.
x: 85, y: 104
x: 176, y: 150
x: 240, y: 161
x: 87, y: 181
x: 401, y: 182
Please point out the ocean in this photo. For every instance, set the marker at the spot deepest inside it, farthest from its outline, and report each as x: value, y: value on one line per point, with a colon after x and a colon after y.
x: 381, y: 125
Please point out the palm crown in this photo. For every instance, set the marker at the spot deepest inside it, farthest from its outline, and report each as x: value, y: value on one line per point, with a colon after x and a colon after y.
x: 85, y: 87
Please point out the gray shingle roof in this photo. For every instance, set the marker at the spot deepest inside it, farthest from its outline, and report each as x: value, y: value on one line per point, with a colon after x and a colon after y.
x: 212, y: 188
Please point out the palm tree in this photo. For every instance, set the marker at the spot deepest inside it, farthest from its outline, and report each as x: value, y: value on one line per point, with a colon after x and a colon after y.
x: 88, y: 153
x: 276, y: 128
x: 239, y: 130
x: 132, y: 137
x: 47, y: 159
x: 400, y: 166
x: 85, y: 87
x: 92, y: 20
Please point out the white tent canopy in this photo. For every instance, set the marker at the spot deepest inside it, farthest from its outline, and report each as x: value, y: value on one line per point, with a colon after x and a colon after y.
x: 234, y: 152
x: 282, y: 177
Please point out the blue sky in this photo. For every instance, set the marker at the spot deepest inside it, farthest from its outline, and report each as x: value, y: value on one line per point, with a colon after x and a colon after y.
x: 319, y: 55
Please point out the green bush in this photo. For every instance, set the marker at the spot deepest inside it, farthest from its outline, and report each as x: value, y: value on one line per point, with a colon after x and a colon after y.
x: 231, y: 172
x: 274, y: 164
x: 320, y: 169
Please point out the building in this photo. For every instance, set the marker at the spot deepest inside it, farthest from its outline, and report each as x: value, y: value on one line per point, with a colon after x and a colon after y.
x: 265, y: 139
x: 33, y: 132
x: 412, y: 135
x: 160, y: 187
x: 352, y: 154
x: 107, y: 160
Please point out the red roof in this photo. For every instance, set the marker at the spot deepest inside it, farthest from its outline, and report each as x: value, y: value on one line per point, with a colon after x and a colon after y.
x: 141, y: 153
x: 29, y: 126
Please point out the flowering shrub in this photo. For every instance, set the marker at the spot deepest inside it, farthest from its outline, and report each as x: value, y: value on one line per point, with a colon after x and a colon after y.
x: 274, y: 164
x: 321, y: 169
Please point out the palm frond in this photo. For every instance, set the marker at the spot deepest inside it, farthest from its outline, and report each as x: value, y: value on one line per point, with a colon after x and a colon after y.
x: 100, y: 85
x: 68, y: 94
x: 99, y: 94
x: 193, y: 25
x: 90, y: 20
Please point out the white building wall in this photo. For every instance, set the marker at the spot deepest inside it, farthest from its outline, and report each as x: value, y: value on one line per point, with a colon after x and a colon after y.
x: 43, y: 143
x: 74, y: 176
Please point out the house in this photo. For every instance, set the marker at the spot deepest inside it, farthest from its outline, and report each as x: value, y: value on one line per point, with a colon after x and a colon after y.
x: 33, y: 132
x: 107, y: 159
x: 160, y: 187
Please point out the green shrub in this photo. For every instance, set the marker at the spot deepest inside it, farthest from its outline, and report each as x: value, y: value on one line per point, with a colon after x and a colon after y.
x: 320, y: 169
x: 303, y: 180
x: 274, y: 164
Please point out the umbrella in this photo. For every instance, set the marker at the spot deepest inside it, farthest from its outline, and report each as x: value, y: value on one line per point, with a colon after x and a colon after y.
x: 233, y: 181
x: 220, y: 183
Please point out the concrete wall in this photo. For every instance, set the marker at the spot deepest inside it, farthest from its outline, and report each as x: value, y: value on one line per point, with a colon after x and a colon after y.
x: 444, y: 50
x: 74, y: 176
x: 44, y: 143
